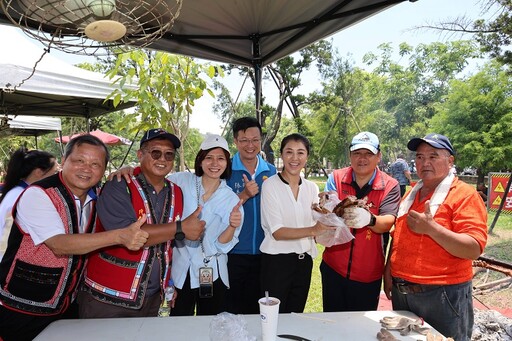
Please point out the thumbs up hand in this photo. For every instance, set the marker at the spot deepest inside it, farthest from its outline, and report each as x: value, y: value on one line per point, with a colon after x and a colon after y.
x: 193, y: 226
x: 235, y: 217
x: 422, y: 223
x: 132, y: 237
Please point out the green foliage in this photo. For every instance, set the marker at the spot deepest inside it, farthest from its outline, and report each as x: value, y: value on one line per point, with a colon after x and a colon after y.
x: 167, y: 87
x: 495, y: 35
x: 410, y: 90
x: 287, y: 75
x: 477, y: 115
x: 499, y: 242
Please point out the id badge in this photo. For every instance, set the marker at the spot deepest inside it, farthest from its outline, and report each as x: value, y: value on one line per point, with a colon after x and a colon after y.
x: 205, y: 282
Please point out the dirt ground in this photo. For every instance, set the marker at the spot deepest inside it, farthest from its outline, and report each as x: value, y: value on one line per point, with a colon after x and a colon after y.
x: 499, y: 246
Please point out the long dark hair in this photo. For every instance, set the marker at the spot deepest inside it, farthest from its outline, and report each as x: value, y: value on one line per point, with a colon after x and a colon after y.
x: 22, y: 163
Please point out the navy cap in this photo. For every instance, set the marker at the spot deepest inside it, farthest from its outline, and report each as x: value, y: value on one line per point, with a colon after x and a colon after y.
x: 437, y: 141
x: 160, y: 134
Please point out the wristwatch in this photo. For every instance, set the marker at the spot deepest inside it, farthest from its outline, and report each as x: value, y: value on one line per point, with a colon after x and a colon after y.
x: 373, y: 221
x: 179, y: 235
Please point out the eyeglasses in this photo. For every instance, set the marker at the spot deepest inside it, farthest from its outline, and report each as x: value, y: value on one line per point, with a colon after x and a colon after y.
x: 157, y: 154
x: 245, y: 142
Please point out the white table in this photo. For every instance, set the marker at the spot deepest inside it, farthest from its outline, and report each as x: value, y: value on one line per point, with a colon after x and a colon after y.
x: 350, y: 326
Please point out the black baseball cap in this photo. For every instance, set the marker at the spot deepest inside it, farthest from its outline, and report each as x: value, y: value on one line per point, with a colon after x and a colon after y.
x: 160, y: 134
x: 437, y: 141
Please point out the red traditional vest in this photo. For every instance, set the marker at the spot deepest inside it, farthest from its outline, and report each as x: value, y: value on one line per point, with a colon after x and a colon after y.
x: 362, y: 259
x: 32, y: 279
x: 119, y: 276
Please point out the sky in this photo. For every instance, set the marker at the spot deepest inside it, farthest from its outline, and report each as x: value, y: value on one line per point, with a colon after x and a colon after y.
x: 394, y: 25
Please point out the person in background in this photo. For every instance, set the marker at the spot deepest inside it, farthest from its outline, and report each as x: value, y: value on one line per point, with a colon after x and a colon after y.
x: 199, y: 270
x: 51, y: 235
x: 249, y: 171
x: 24, y: 168
x: 352, y: 272
x: 400, y: 171
x: 482, y: 190
x: 441, y: 227
x: 118, y: 283
x: 289, y: 245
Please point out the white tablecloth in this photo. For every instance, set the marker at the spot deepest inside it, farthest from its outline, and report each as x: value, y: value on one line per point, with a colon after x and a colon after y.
x: 349, y: 326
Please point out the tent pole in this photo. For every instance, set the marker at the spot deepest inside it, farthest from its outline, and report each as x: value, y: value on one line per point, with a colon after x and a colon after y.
x: 60, y: 142
x: 87, y: 112
x: 258, y: 74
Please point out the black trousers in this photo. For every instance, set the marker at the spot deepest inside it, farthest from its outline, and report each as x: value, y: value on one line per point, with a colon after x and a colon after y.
x: 244, y: 284
x: 20, y: 327
x: 403, y: 188
x: 92, y: 308
x: 188, y: 300
x: 287, y: 277
x: 342, y: 294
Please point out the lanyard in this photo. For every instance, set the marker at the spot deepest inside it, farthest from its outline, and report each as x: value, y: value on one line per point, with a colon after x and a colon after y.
x: 206, y: 259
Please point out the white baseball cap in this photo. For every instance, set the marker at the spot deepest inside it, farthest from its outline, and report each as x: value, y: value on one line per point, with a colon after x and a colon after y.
x: 214, y: 141
x: 365, y: 140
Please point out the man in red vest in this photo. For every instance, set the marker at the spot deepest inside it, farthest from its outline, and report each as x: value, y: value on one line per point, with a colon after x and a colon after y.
x: 119, y: 283
x: 53, y: 221
x: 352, y: 272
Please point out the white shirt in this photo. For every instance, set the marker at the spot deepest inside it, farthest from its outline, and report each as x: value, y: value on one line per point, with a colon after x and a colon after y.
x: 280, y: 209
x: 188, y: 258
x: 6, y: 205
x: 6, y: 214
x: 38, y: 217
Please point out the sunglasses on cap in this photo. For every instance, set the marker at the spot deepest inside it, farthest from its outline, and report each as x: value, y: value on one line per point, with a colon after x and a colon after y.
x: 157, y: 154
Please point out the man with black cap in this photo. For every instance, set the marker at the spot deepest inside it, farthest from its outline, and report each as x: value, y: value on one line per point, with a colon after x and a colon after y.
x: 129, y: 284
x: 441, y: 227
x: 352, y: 272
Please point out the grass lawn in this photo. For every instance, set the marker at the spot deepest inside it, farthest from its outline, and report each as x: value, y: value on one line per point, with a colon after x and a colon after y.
x: 499, y: 246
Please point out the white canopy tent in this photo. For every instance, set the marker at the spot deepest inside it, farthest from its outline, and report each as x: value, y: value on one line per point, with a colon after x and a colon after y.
x: 54, y: 88
x: 29, y: 126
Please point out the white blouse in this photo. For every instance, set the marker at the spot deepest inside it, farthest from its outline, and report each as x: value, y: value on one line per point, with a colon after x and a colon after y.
x: 280, y: 209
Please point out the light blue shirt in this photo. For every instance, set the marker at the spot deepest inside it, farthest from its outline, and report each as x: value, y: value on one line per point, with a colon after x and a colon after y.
x: 188, y: 255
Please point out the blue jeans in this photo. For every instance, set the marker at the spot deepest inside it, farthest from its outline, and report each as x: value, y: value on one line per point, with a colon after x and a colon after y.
x: 449, y: 308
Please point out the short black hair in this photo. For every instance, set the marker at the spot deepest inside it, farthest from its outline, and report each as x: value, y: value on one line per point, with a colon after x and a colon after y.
x: 86, y: 139
x: 245, y: 123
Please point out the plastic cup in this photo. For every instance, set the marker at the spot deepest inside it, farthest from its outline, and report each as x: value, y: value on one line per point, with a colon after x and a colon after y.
x: 269, y: 314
